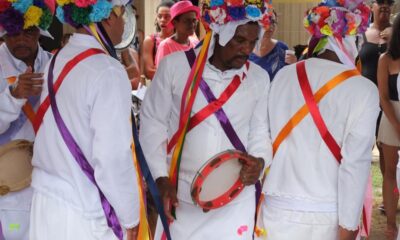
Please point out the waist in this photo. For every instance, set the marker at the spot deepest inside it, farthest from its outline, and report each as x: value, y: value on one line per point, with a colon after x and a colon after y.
x: 82, y: 198
x: 297, y: 204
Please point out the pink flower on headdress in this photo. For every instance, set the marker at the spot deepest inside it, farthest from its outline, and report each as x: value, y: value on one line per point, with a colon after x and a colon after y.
x: 337, y: 25
x: 84, y: 3
x: 218, y: 15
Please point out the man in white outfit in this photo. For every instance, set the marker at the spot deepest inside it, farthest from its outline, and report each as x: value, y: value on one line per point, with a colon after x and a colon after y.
x: 22, y: 63
x: 84, y: 180
x: 315, y: 187
x: 246, y: 110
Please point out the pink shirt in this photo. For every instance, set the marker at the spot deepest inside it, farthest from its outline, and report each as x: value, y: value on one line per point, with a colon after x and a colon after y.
x: 168, y: 46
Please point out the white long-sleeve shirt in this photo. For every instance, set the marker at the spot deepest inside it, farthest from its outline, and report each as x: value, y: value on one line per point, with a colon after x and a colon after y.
x: 246, y: 109
x: 10, y: 109
x: 304, y: 174
x: 94, y: 101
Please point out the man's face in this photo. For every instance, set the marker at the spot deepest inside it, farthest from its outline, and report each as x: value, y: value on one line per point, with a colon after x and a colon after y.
x: 116, y: 25
x: 238, y: 49
x: 186, y: 23
x: 23, y: 45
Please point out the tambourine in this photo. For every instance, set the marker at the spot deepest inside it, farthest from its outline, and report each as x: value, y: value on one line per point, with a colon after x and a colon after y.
x: 129, y: 28
x: 218, y: 181
x: 15, y: 166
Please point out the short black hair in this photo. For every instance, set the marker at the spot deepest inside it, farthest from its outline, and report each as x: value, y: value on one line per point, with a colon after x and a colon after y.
x: 394, y: 43
x: 390, y: 2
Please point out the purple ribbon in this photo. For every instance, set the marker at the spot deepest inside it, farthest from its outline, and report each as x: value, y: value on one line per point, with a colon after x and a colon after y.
x: 220, y: 114
x: 75, y: 150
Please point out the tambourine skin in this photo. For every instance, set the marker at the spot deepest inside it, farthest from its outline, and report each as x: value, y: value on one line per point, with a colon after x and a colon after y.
x: 15, y: 166
x: 231, y: 193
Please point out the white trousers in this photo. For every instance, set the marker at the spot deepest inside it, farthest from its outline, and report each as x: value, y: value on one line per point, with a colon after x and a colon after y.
x: 14, y: 224
x: 233, y: 222
x: 280, y: 224
x: 54, y: 219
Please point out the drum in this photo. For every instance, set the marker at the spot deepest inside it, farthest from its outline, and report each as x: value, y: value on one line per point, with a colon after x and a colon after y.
x: 15, y: 166
x: 218, y: 182
x: 129, y: 28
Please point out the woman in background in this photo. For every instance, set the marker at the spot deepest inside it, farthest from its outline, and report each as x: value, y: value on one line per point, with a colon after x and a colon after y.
x: 272, y: 54
x: 389, y: 127
x: 151, y: 42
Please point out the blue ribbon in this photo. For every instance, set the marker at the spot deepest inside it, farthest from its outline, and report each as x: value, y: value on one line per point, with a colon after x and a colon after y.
x: 149, y: 179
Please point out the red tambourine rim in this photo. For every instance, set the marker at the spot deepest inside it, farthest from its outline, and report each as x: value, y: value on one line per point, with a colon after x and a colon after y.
x: 203, y: 173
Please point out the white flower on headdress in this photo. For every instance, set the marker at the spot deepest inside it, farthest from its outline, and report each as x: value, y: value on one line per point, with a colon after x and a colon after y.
x: 332, y: 18
x: 218, y: 15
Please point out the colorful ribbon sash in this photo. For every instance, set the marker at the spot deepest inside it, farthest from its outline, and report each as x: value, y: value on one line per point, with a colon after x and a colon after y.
x: 68, y: 67
x: 73, y: 147
x: 27, y: 113
x: 299, y: 116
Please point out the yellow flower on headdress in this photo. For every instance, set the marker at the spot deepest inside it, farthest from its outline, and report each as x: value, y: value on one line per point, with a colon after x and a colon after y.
x: 326, y: 30
x: 63, y: 2
x: 12, y: 1
x: 32, y: 16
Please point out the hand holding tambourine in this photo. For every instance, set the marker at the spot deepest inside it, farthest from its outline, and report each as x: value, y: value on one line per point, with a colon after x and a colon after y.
x: 224, y: 177
x: 251, y: 169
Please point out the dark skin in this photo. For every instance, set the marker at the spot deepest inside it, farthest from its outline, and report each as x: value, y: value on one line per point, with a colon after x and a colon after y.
x: 236, y: 52
x: 185, y: 25
x: 24, y: 46
x: 233, y: 56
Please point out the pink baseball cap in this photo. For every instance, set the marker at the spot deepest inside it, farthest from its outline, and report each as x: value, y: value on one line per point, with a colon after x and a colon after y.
x: 182, y: 7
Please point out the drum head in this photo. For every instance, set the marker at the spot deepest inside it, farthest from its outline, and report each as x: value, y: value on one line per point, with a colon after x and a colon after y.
x: 15, y: 166
x: 129, y: 28
x: 217, y: 183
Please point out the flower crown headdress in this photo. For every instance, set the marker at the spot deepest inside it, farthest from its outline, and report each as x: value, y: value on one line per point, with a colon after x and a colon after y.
x: 18, y: 15
x: 223, y: 11
x: 79, y: 13
x: 337, y: 18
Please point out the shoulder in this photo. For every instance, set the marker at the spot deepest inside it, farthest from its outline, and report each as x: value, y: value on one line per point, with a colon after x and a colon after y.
x: 282, y: 45
x: 258, y: 74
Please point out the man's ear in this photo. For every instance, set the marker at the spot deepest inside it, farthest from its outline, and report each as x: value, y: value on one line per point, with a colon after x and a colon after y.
x: 110, y: 20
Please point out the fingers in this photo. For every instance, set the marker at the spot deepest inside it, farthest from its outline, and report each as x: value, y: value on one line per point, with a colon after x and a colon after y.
x: 251, y: 170
x: 28, y: 84
x: 28, y: 69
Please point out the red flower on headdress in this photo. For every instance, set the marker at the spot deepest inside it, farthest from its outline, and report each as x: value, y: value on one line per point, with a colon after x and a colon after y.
x: 323, y: 12
x: 4, y: 5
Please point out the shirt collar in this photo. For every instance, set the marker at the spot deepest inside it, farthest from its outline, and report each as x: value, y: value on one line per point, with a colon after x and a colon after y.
x: 210, y: 71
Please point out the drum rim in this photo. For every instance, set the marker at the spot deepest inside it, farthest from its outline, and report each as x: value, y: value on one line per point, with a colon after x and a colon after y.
x: 205, y: 170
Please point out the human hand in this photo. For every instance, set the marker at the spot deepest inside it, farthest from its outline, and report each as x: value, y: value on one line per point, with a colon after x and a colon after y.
x: 28, y: 84
x: 132, y: 233
x: 168, y: 195
x: 251, y: 169
x: 290, y: 57
x: 386, y: 33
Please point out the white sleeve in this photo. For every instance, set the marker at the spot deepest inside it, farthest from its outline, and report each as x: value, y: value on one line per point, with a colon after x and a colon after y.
x: 10, y: 107
x: 111, y: 129
x: 154, y: 115
x: 356, y: 162
x: 259, y: 144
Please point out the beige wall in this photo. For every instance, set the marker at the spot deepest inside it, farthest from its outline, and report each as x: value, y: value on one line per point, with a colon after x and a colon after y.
x: 290, y: 21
